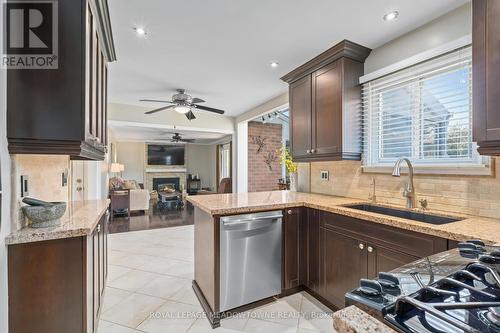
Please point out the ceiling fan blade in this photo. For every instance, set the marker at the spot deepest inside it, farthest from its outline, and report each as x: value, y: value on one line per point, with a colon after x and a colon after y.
x: 186, y: 140
x: 155, y: 100
x: 197, y: 100
x: 159, y: 109
x: 206, y: 108
x: 190, y: 115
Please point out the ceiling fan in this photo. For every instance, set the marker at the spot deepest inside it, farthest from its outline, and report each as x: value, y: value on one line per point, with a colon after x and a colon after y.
x: 182, y: 103
x: 178, y: 138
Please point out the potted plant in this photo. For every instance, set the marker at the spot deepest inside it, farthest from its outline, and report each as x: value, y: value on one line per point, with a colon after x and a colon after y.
x: 291, y: 167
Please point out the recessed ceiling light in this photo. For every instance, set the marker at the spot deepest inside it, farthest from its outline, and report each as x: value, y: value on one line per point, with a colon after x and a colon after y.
x: 275, y: 64
x: 140, y: 31
x: 391, y: 16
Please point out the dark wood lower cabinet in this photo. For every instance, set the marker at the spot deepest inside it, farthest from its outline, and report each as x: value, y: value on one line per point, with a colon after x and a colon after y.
x: 291, y: 232
x: 342, y: 264
x: 381, y: 259
x: 339, y: 250
x: 57, y: 285
x: 313, y: 254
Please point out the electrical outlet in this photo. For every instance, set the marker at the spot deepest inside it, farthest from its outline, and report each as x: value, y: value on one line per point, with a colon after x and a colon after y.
x: 324, y: 175
x: 64, y: 178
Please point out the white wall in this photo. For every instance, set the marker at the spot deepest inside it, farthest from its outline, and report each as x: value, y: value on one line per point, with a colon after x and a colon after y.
x: 5, y: 225
x: 444, y: 29
x: 201, y: 159
x: 169, y: 118
x: 132, y: 155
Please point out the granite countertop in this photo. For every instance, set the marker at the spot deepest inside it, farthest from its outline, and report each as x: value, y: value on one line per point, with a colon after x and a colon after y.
x: 469, y: 227
x: 80, y: 219
x: 355, y: 320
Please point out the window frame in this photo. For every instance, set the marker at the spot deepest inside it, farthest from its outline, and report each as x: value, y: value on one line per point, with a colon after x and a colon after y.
x: 373, y: 161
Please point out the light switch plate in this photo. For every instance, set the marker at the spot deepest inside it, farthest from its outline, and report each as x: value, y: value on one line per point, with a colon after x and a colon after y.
x: 24, y: 186
x: 324, y: 175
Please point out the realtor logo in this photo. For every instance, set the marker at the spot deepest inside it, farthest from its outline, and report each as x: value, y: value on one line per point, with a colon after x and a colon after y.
x: 30, y: 34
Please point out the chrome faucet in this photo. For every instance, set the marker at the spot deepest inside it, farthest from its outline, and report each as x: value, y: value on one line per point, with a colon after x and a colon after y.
x: 409, y: 189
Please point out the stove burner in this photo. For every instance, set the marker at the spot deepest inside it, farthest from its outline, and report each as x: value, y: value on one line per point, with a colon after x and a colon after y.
x: 388, y: 280
x: 493, y: 315
x: 370, y: 287
x: 485, y: 271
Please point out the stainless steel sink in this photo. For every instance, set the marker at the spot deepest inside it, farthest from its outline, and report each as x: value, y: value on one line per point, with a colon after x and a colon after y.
x: 405, y: 214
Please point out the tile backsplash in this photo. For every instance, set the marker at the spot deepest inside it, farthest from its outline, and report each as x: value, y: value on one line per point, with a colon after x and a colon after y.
x: 45, y: 180
x: 475, y: 195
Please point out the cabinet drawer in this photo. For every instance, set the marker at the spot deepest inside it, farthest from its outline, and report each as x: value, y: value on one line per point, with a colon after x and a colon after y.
x: 410, y: 242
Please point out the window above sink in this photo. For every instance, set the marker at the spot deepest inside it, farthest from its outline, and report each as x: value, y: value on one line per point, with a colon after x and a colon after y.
x: 423, y: 112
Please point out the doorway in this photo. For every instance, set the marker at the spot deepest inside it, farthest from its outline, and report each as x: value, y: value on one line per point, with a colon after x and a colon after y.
x: 224, y: 162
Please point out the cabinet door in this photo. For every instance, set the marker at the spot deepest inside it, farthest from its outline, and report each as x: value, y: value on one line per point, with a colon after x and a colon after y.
x: 327, y: 110
x: 313, y: 254
x: 291, y: 247
x: 381, y: 259
x: 486, y: 78
x: 300, y: 117
x: 343, y: 263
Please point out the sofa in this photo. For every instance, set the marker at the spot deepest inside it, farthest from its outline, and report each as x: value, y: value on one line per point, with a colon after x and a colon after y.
x: 139, y: 197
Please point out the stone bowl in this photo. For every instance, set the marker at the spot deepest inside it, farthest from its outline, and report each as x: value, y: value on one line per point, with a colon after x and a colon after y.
x: 44, y: 216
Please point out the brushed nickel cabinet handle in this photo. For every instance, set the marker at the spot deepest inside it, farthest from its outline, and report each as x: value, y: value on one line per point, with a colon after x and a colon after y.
x: 313, y: 151
x: 308, y: 151
x: 369, y: 249
x: 361, y: 246
x: 289, y: 212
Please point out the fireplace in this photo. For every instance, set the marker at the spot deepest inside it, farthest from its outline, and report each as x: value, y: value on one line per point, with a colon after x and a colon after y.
x: 175, y: 181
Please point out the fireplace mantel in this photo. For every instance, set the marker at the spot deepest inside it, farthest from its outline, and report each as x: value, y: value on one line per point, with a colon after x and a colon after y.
x: 164, y: 170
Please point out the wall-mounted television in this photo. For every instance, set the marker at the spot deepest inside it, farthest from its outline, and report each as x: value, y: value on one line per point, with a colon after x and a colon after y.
x: 165, y: 155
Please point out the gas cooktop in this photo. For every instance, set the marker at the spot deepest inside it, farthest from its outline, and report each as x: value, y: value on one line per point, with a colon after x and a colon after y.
x: 454, y: 291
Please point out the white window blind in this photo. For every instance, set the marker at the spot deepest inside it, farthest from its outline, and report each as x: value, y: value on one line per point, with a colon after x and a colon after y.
x: 423, y: 112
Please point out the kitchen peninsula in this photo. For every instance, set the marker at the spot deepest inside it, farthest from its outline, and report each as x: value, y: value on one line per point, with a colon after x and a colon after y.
x: 326, y: 247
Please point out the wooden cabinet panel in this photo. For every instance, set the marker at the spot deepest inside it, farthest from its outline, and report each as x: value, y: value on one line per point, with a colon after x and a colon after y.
x: 96, y: 287
x: 327, y: 110
x: 381, y: 259
x: 313, y: 252
x: 291, y: 223
x: 45, y: 281
x: 343, y: 264
x: 69, y: 117
x: 486, y: 78
x: 405, y: 241
x: 300, y: 117
x: 325, y: 97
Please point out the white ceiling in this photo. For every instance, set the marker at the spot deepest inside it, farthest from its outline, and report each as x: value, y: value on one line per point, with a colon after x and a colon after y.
x: 220, y: 50
x: 138, y: 133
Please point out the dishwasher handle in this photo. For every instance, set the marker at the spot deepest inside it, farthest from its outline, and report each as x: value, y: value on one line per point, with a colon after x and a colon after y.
x: 246, y: 220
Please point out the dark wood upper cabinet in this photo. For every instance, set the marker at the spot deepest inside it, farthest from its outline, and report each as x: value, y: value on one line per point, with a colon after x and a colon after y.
x: 63, y: 111
x: 325, y: 104
x: 301, y: 120
x: 486, y: 75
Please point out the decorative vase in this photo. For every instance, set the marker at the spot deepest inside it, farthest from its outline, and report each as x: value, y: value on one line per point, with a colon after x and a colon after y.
x: 293, y: 181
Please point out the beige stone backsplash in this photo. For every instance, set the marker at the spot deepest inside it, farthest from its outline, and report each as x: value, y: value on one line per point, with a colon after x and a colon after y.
x: 44, y: 172
x: 475, y: 195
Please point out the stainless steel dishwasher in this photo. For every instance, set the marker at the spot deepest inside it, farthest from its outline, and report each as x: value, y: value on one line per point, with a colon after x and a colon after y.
x: 250, y: 258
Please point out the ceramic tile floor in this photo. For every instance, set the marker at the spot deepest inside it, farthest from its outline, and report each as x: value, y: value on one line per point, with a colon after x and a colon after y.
x: 149, y: 290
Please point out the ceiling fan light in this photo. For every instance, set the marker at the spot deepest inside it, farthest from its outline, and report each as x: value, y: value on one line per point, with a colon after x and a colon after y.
x: 182, y: 109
